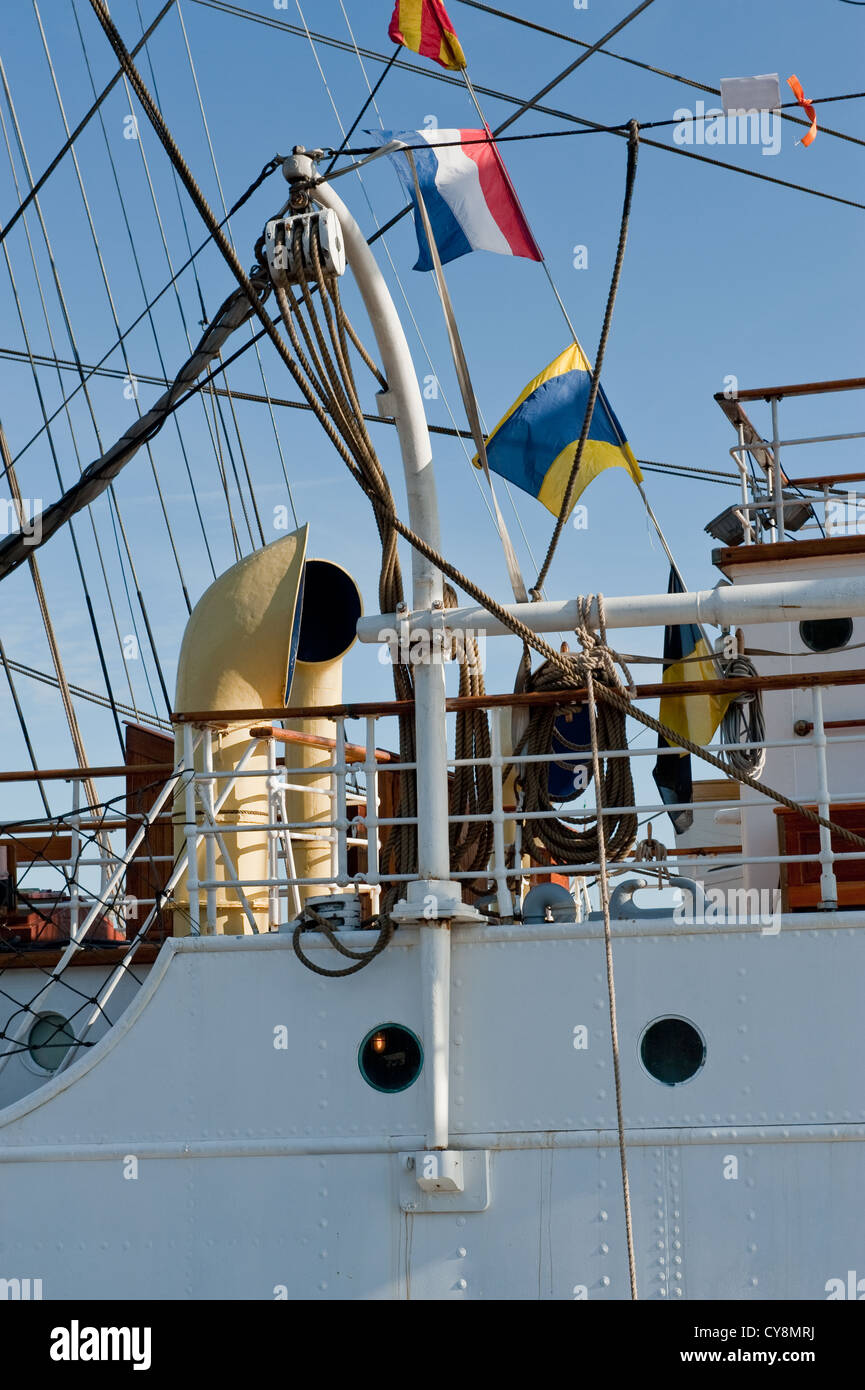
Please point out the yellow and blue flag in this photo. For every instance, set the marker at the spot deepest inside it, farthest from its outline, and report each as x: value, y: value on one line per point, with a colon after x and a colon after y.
x: 535, y: 443
x: 686, y: 658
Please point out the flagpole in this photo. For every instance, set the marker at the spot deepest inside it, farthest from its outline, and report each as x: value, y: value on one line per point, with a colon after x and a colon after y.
x: 547, y: 272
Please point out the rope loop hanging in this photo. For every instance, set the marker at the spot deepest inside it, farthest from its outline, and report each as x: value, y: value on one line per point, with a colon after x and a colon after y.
x: 310, y: 920
x: 744, y: 722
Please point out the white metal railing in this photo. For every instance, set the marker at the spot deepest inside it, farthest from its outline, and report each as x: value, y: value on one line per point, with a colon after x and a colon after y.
x: 764, y: 513
x: 353, y: 822
x: 346, y: 828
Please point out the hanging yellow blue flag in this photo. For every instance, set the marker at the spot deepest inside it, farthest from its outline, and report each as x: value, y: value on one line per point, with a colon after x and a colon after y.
x: 535, y: 443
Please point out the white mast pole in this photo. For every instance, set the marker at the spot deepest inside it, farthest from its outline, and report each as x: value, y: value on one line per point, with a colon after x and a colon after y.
x: 433, y: 901
x: 404, y: 402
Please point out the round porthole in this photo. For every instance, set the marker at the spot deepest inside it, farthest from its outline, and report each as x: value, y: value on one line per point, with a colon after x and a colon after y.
x: 672, y: 1050
x: 49, y: 1040
x: 390, y: 1057
x: 826, y: 634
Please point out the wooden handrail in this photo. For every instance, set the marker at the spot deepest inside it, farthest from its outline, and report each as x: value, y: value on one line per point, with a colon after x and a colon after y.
x: 354, y: 752
x: 383, y: 709
x: 828, y: 480
x: 807, y: 388
x: 78, y: 774
x: 803, y: 680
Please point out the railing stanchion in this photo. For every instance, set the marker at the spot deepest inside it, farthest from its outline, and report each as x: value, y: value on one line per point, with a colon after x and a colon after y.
x: 340, y: 829
x: 370, y: 767
x: 505, y: 902
x: 828, y: 883
x: 208, y: 793
x: 273, y: 913
x: 777, y: 474
x: 191, y: 827
x: 74, y: 886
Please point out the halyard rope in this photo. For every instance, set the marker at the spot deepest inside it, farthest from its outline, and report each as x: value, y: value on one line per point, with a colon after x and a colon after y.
x: 565, y: 508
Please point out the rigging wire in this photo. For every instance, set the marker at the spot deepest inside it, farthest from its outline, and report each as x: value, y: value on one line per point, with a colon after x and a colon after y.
x: 92, y: 696
x: 572, y: 67
x: 226, y: 213
x: 596, y: 129
x: 216, y: 406
x: 8, y: 667
x: 106, y: 282
x: 449, y: 431
x: 114, y: 509
x: 140, y: 276
x: 268, y: 169
x: 595, y: 386
x: 650, y: 67
x: 82, y: 124
x: 94, y: 625
x: 428, y: 71
x: 370, y: 101
x: 50, y: 633
x: 98, y: 476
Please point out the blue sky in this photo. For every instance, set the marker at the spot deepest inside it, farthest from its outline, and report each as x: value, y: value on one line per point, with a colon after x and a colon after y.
x: 724, y: 275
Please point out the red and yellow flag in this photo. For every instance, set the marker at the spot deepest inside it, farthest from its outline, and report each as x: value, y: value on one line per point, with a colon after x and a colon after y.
x: 424, y: 27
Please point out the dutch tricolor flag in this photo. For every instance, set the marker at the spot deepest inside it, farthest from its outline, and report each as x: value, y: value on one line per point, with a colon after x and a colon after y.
x: 469, y: 197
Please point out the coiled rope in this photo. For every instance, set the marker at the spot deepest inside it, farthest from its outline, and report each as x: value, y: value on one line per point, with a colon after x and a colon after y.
x: 554, y: 837
x: 744, y: 722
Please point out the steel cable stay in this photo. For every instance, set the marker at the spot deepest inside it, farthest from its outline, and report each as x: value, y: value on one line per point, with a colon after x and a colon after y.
x: 8, y: 668
x: 268, y: 169
x: 140, y: 277
x: 114, y: 510
x: 50, y: 634
x: 82, y: 693
x: 82, y: 124
x: 94, y: 479
x: 366, y: 153
x: 692, y: 472
x: 227, y: 223
x: 9, y: 464
x: 216, y: 406
x: 30, y: 358
x: 660, y: 72
x: 109, y: 295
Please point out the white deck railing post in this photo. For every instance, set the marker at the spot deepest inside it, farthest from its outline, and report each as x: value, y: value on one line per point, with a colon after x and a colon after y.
x: 828, y: 883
